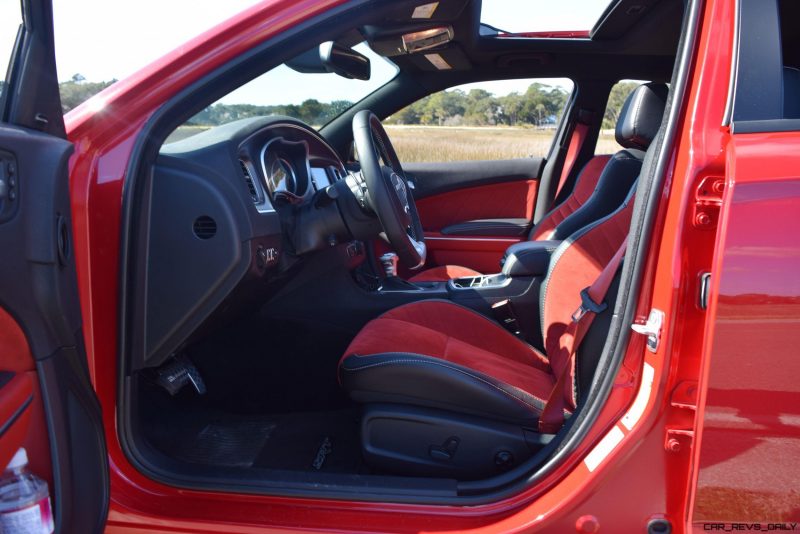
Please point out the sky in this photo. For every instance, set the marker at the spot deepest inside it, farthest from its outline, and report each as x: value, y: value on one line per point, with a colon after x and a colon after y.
x: 108, y: 39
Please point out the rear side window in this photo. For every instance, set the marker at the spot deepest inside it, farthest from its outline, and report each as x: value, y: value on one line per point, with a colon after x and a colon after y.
x: 10, y: 21
x: 481, y: 121
x: 606, y: 141
x: 766, y: 85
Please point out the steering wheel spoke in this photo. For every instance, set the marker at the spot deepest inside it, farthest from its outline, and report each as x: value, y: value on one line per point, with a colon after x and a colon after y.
x: 389, y: 193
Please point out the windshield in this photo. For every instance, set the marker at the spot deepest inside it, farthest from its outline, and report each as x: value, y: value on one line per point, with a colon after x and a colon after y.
x: 313, y: 98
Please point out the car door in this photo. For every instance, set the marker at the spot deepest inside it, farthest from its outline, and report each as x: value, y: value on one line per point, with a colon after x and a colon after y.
x: 47, y: 403
x: 748, y: 435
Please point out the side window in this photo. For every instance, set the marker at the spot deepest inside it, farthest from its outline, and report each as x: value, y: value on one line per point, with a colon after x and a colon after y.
x: 481, y: 121
x: 10, y: 21
x: 606, y: 142
x: 767, y: 83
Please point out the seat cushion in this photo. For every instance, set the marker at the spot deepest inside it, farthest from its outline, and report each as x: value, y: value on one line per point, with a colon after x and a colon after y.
x: 443, y: 273
x: 439, y: 354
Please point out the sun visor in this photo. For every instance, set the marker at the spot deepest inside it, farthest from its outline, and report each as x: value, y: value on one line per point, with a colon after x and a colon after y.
x: 450, y: 58
x: 619, y: 17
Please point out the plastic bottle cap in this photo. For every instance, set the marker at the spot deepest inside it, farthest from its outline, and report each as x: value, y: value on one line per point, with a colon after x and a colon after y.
x: 19, y: 460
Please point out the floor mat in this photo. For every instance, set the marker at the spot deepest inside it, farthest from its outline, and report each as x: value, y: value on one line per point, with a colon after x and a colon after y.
x: 314, y: 441
x: 232, y: 441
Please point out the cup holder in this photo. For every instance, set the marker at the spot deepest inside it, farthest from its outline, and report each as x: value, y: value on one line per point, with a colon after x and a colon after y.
x: 484, y: 280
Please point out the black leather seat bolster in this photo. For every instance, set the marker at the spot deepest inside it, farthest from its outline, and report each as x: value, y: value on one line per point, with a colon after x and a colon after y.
x: 530, y: 258
x: 619, y: 174
x: 408, y: 378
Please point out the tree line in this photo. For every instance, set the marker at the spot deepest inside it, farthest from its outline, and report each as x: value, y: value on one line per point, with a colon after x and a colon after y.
x: 540, y: 105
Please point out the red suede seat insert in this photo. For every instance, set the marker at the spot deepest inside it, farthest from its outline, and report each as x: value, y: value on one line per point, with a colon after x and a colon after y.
x: 457, y: 335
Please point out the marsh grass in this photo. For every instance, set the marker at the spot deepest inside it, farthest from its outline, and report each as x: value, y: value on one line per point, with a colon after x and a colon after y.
x: 442, y: 143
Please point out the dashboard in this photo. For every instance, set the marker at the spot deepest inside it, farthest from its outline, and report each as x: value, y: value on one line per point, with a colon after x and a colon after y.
x: 231, y: 211
x: 286, y: 163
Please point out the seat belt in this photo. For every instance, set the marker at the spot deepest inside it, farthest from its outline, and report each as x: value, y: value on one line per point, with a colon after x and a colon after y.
x: 552, y: 418
x: 579, y: 134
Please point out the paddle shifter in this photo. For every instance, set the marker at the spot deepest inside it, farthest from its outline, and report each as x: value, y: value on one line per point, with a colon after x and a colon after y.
x: 389, y: 262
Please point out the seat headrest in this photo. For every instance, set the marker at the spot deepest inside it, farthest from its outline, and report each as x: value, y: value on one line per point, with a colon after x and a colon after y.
x: 791, y: 93
x: 640, y: 117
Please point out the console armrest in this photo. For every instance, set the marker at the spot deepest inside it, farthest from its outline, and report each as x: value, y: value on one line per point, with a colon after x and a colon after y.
x: 531, y: 258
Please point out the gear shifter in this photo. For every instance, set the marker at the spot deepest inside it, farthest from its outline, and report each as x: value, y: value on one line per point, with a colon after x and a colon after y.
x: 391, y: 282
x: 389, y: 262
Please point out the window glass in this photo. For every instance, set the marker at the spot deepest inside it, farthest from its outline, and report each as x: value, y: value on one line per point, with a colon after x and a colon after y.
x: 523, y: 16
x: 606, y: 142
x: 313, y: 98
x: 10, y: 20
x: 481, y: 121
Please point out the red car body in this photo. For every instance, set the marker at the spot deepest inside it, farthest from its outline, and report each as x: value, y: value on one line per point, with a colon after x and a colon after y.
x: 710, y: 433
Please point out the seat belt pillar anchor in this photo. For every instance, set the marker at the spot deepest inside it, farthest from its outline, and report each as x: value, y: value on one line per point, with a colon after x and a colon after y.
x: 651, y: 329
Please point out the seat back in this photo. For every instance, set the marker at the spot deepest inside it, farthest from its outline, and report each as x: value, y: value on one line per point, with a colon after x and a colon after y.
x: 578, y: 261
x: 574, y: 266
x: 605, y: 180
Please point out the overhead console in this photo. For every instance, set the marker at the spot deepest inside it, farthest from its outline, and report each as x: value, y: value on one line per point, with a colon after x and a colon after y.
x: 425, y: 33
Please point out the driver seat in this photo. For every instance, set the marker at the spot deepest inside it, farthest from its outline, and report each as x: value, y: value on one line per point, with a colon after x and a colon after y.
x: 450, y: 392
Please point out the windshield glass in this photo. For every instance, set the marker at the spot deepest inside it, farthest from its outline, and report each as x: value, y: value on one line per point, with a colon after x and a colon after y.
x: 312, y: 98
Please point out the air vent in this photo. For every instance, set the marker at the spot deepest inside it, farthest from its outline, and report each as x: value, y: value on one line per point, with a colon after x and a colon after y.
x: 205, y: 227
x: 337, y: 175
x: 248, y: 179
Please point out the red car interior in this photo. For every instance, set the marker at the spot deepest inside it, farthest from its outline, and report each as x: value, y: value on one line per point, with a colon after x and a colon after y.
x: 21, y: 412
x: 439, y: 358
x: 225, y: 317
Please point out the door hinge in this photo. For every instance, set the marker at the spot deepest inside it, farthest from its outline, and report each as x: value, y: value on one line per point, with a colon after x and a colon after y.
x: 651, y: 329
x: 708, y: 201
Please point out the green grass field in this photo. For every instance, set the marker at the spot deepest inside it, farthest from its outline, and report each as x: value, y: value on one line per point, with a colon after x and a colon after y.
x: 443, y: 143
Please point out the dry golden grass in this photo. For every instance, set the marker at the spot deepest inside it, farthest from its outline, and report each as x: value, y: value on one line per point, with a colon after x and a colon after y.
x: 444, y: 143
x: 437, y: 143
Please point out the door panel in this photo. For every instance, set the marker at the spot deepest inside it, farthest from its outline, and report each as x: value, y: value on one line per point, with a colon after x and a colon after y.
x: 48, y: 403
x: 22, y: 418
x: 47, y: 346
x: 16, y: 396
x: 473, y: 210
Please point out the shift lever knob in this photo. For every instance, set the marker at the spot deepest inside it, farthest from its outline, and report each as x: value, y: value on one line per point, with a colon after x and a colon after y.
x: 389, y: 262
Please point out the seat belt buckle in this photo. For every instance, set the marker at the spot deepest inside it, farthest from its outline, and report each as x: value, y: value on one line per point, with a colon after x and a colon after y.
x: 504, y: 314
x: 587, y: 305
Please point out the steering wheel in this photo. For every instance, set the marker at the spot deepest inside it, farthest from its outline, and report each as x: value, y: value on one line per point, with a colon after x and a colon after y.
x: 387, y: 190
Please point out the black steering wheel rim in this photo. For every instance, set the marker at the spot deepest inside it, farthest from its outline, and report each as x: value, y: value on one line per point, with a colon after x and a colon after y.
x: 388, y: 191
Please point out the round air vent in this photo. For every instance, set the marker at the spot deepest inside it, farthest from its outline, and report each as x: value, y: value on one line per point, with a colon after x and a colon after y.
x: 205, y: 227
